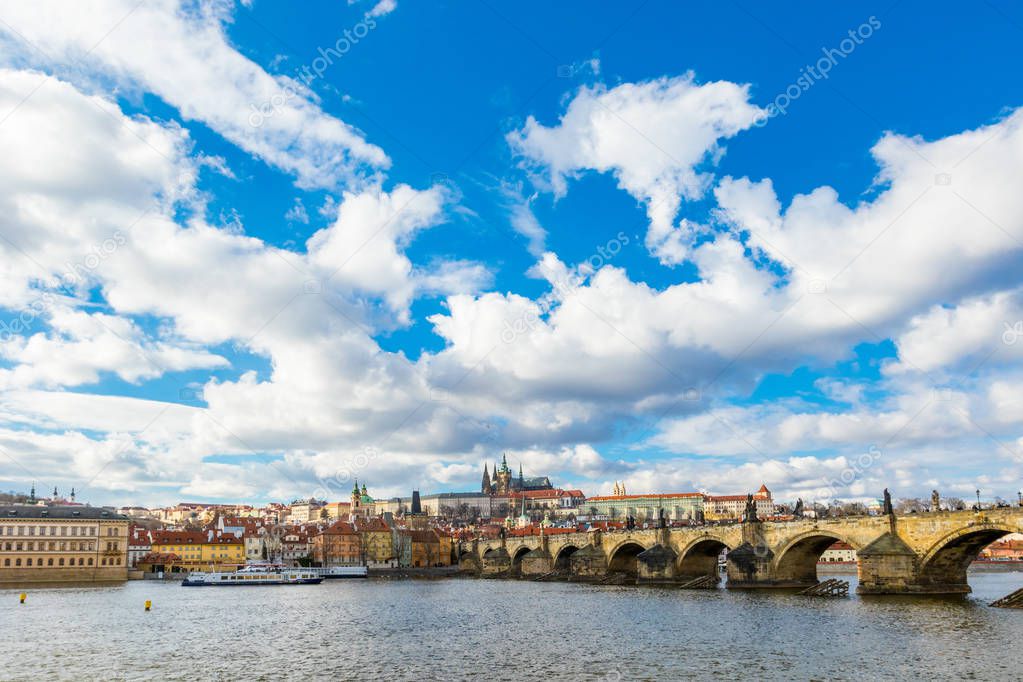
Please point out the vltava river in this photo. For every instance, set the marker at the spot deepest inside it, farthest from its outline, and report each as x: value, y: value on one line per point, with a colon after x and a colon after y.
x: 457, y: 629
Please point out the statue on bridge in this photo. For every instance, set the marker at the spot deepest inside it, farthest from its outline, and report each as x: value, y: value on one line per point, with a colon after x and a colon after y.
x: 798, y: 511
x: 888, y: 509
x: 935, y: 501
x: 750, y: 514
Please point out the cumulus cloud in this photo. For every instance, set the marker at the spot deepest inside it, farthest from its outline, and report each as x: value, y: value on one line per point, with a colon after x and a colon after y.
x: 180, y: 52
x: 654, y: 137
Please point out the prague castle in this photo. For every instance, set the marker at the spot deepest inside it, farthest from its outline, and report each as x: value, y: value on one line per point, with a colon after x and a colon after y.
x: 504, y: 482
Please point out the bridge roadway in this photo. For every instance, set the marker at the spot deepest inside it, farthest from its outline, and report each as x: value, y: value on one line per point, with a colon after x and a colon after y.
x: 924, y: 553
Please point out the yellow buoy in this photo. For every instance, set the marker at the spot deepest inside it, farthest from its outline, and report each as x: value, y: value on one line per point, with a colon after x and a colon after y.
x: 23, y: 595
x: 148, y: 604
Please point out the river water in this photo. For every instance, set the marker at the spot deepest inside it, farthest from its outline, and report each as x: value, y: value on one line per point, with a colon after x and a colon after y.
x: 453, y: 629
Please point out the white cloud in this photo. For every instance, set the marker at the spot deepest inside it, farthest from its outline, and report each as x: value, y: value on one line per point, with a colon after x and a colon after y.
x: 81, y: 346
x: 297, y: 213
x: 654, y: 137
x: 985, y: 329
x: 382, y: 8
x: 182, y: 54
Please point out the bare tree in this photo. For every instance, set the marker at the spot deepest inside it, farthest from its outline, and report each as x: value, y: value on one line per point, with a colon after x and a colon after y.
x: 854, y: 509
x: 909, y: 505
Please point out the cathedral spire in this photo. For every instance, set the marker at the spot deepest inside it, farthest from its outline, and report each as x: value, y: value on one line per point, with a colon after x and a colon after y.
x: 485, y: 487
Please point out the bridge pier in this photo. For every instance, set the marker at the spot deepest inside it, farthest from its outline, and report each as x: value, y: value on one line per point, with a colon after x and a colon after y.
x: 496, y: 562
x: 749, y: 567
x: 536, y: 562
x: 588, y: 563
x: 656, y: 565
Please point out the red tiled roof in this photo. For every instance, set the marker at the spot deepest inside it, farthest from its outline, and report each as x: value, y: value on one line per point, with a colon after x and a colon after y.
x: 339, y: 528
x: 421, y: 535
x: 192, y: 537
x: 178, y: 537
x: 372, y: 525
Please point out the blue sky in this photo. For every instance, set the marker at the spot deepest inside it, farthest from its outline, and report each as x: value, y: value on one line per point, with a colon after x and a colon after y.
x: 394, y: 240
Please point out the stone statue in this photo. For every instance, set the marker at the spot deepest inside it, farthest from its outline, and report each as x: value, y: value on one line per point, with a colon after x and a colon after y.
x: 888, y: 502
x: 935, y: 501
x: 798, y: 511
x: 751, y: 509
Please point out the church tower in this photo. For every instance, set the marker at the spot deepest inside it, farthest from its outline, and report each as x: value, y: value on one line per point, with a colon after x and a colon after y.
x: 503, y: 478
x: 485, y: 487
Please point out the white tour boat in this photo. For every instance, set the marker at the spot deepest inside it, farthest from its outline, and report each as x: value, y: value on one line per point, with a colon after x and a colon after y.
x: 335, y: 572
x: 254, y: 575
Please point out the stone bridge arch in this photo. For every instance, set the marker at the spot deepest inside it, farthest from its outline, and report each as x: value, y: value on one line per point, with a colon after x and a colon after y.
x: 622, y: 557
x: 944, y: 564
x: 700, y: 556
x: 563, y: 556
x: 795, y: 563
x: 517, y: 553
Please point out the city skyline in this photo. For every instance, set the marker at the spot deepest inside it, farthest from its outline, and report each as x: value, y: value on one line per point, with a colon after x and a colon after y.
x: 252, y: 253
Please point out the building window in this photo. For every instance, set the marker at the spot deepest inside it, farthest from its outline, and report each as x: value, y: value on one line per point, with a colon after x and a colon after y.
x: 49, y: 562
x: 17, y: 562
x: 90, y: 561
x: 60, y: 562
x: 81, y: 562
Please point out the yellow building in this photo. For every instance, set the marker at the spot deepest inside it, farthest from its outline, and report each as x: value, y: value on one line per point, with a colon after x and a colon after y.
x: 188, y: 550
x: 377, y: 543
x: 58, y: 543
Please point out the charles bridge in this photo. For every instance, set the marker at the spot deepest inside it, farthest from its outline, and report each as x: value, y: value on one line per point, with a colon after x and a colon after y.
x: 925, y: 553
